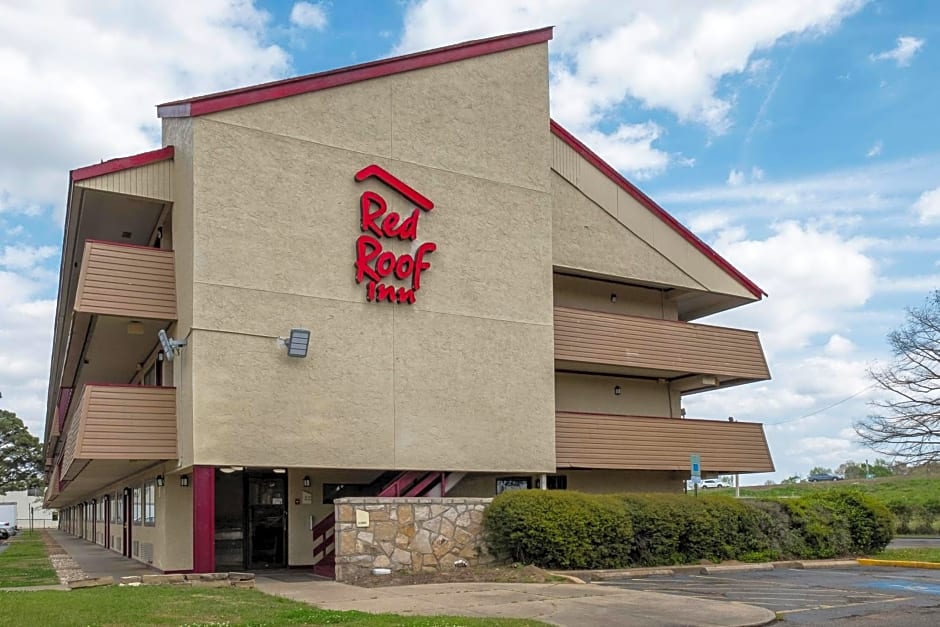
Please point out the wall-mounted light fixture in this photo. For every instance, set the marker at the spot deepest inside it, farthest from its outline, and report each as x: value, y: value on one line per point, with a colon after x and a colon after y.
x: 618, y: 390
x: 160, y: 481
x: 306, y: 482
x: 184, y: 481
x: 296, y: 343
x: 613, y: 298
x: 170, y: 346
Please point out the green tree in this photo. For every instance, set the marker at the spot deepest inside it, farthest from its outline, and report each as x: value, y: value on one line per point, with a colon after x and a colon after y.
x: 20, y: 455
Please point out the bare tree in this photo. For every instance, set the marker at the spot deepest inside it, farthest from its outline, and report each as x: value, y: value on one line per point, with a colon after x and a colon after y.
x: 907, y: 423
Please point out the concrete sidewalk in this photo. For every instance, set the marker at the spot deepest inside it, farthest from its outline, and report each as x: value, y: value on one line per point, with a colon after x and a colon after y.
x: 560, y: 604
x: 98, y: 561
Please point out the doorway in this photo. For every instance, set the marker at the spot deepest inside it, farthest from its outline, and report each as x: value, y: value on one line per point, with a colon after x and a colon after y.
x: 267, y: 521
x: 250, y: 520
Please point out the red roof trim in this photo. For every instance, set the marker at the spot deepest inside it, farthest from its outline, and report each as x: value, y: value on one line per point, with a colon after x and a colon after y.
x: 255, y: 94
x: 658, y: 211
x: 121, y: 163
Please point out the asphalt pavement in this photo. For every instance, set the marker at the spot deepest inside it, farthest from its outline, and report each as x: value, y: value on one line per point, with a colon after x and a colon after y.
x: 858, y: 596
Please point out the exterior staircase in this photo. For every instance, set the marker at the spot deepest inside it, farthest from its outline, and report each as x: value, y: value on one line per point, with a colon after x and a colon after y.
x: 409, y: 483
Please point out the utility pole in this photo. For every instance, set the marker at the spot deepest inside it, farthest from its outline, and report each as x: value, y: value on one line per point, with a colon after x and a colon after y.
x: 737, y: 486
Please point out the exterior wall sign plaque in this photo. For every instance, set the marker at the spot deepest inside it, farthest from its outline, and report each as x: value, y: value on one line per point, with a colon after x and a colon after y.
x: 374, y: 263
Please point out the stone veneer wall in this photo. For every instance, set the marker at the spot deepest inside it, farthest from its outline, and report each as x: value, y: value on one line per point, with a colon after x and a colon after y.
x: 408, y: 534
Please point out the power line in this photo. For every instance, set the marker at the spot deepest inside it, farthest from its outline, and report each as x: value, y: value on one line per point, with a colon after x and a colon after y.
x: 819, y: 411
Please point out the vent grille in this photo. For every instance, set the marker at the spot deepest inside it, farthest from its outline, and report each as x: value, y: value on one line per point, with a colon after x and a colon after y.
x: 136, y: 548
x: 146, y: 552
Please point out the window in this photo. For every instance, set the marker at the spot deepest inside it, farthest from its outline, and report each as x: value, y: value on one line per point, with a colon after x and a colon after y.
x: 513, y: 483
x: 117, y: 508
x: 99, y: 510
x: 150, y: 505
x: 557, y: 482
x: 138, y: 505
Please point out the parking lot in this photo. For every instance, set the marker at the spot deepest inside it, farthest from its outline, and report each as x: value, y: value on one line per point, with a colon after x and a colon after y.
x: 856, y: 595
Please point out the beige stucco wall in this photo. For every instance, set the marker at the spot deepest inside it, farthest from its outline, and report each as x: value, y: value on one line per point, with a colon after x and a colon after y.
x: 595, y: 394
x: 580, y: 186
x: 587, y: 238
x: 275, y: 222
x: 596, y: 295
x: 178, y: 132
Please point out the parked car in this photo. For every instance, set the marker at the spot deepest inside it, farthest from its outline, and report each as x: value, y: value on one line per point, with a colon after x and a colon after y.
x: 711, y: 483
x: 8, y: 527
x: 824, y: 477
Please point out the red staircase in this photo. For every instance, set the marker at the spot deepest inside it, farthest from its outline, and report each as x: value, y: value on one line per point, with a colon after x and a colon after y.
x: 408, y: 483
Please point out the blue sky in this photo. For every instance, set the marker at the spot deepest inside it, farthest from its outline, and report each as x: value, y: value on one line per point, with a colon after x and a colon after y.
x: 800, y: 139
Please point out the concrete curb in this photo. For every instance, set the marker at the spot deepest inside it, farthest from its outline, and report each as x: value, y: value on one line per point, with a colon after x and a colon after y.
x: 587, y: 576
x: 898, y: 563
x: 828, y: 563
x: 736, y: 568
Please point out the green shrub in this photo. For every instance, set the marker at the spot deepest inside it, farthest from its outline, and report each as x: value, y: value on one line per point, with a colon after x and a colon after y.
x: 557, y: 529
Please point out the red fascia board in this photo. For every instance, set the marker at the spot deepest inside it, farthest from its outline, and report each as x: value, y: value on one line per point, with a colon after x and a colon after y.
x: 121, y: 163
x: 658, y: 211
x: 255, y: 94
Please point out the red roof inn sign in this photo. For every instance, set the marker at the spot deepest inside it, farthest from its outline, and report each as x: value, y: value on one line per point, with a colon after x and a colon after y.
x: 374, y: 264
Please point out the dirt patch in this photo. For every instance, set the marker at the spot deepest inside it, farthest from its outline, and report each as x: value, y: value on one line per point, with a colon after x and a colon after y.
x: 510, y: 573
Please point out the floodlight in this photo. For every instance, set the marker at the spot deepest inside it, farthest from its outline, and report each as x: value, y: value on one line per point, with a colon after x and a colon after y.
x: 170, y: 346
x: 298, y: 342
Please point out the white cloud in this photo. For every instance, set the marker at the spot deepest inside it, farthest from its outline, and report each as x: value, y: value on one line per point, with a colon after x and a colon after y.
x: 927, y: 206
x: 902, y: 53
x: 307, y: 15
x: 630, y: 148
x: 708, y: 222
x: 25, y: 334
x: 25, y: 257
x: 811, y: 274
x: 610, y: 52
x: 838, y: 346
x: 81, y: 79
x: 875, y: 150
x: 738, y: 177
x: 879, y: 186
x: 916, y: 284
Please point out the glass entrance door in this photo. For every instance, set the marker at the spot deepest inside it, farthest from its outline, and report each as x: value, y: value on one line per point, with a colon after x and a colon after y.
x: 267, y: 521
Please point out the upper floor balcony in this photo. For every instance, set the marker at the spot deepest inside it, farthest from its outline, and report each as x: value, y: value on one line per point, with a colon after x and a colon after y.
x: 652, y: 443
x: 115, y: 430
x: 692, y: 357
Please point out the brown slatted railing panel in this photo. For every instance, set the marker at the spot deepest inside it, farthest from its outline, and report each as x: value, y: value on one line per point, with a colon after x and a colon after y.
x: 651, y: 443
x: 127, y: 281
x: 635, y: 342
x: 128, y: 422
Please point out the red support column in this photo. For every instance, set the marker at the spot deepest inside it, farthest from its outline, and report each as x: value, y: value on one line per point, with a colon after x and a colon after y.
x: 203, y: 519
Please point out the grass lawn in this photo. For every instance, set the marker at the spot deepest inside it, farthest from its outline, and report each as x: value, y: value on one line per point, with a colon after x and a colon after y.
x: 25, y: 562
x: 176, y: 605
x: 910, y: 555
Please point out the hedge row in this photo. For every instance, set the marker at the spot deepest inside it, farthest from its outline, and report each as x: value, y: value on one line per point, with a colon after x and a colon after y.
x: 919, y: 518
x: 570, y: 530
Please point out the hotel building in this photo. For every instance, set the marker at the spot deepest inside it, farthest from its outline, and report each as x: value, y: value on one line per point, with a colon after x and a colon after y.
x: 398, y: 278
